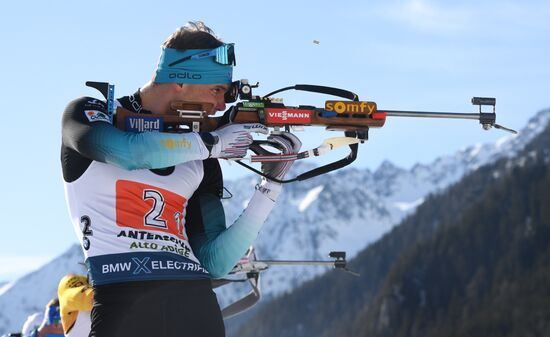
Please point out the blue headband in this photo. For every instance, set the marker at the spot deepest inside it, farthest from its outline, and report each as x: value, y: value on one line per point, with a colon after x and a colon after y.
x: 192, y: 71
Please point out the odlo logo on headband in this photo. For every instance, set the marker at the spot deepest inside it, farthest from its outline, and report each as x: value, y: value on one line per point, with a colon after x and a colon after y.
x: 185, y: 75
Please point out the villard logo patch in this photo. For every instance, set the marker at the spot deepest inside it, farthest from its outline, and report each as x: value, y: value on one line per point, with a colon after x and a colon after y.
x: 143, y: 124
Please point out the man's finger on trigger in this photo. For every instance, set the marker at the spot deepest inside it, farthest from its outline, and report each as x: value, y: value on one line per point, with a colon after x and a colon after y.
x: 259, y: 128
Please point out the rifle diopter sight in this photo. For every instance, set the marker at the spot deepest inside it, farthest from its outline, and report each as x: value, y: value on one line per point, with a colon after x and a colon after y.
x: 488, y: 119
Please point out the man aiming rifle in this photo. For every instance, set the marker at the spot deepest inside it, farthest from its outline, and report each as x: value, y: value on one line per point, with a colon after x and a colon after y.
x: 146, y: 206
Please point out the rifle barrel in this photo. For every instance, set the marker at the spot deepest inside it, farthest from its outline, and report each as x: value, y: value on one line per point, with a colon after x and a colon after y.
x: 430, y: 114
x: 297, y: 262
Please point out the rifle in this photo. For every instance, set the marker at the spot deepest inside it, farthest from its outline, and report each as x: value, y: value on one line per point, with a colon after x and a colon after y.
x: 350, y: 115
x: 251, y: 268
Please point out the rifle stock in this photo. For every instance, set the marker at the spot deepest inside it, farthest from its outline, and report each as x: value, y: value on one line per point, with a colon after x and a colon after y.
x: 194, y: 116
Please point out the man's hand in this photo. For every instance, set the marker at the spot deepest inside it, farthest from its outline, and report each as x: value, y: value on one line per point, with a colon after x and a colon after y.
x: 288, y: 144
x: 233, y: 140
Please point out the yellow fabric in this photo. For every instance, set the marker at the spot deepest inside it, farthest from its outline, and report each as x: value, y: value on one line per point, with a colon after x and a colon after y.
x: 75, y: 294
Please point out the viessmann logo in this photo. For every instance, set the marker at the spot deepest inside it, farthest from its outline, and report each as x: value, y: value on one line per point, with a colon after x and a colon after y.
x: 288, y: 116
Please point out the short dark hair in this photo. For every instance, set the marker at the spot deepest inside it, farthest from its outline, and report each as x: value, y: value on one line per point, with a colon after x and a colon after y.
x: 194, y: 35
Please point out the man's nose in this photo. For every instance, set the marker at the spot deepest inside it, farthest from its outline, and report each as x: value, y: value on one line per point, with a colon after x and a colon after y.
x: 220, y: 104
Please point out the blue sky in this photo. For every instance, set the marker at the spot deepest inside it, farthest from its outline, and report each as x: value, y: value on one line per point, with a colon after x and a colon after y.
x: 411, y: 54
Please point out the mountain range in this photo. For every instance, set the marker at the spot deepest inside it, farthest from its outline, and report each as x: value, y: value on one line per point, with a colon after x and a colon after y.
x: 352, y: 208
x: 471, y: 261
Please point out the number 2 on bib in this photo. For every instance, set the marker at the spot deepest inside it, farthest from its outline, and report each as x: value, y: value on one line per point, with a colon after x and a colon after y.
x: 150, y: 208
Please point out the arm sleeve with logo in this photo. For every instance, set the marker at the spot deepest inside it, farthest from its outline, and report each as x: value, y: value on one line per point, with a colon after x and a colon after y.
x: 86, y: 131
x: 219, y: 248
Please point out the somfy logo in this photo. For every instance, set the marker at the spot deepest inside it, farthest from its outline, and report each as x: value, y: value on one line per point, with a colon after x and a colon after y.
x: 350, y: 107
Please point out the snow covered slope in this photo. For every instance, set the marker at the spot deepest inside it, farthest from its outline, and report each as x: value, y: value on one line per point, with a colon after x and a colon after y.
x: 351, y: 208
x: 30, y: 293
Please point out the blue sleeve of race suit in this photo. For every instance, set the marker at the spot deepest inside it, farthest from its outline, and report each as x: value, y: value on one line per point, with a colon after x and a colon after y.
x: 219, y: 248
x: 97, y: 139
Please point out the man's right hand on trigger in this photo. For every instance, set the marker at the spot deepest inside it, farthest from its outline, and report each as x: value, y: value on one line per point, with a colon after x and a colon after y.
x: 233, y: 140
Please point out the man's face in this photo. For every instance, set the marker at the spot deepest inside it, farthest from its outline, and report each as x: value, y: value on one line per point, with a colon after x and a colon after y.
x: 205, y: 93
